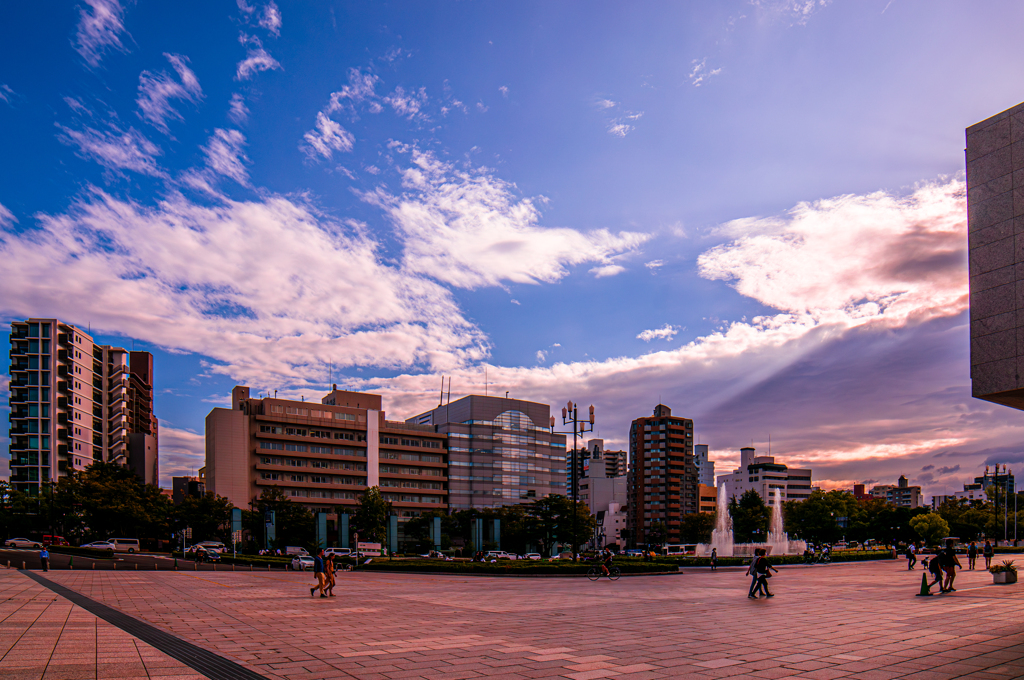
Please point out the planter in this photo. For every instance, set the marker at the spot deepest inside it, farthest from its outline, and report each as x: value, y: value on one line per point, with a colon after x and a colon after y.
x: 1004, y: 577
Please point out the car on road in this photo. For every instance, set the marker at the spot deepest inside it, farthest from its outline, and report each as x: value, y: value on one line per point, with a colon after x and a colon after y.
x: 498, y: 555
x: 213, y: 546
x: 338, y: 552
x: 22, y: 543
x: 531, y: 556
x: 99, y: 545
x: 55, y: 540
x: 302, y: 562
x: 128, y: 545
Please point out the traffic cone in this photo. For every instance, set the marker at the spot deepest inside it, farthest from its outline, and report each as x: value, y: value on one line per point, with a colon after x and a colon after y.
x: 925, y: 590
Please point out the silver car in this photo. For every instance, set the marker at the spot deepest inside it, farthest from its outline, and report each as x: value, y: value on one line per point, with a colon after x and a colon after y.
x: 302, y: 562
x: 23, y: 543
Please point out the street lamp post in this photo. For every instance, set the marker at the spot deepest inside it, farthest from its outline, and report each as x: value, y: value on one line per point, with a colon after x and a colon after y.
x: 570, y: 414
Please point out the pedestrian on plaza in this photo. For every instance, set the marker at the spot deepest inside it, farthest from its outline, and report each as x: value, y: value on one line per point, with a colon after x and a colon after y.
x: 972, y: 555
x: 329, y: 574
x: 44, y: 557
x: 911, y: 557
x: 764, y: 572
x: 714, y: 559
x: 318, y: 571
x: 949, y: 563
x: 935, y: 568
x: 755, y: 580
x: 988, y: 552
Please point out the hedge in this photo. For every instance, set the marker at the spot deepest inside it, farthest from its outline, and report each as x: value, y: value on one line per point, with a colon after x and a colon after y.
x: 510, y: 567
x: 96, y: 553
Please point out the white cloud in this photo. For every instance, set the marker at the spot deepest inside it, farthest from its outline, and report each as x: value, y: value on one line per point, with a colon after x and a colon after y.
x: 620, y: 129
x: 115, y: 149
x: 361, y: 87
x: 504, y: 91
x: 224, y: 155
x: 541, y: 356
x: 156, y: 91
x: 481, y: 108
x: 238, y: 113
x: 256, y: 59
x: 606, y: 104
x: 797, y: 11
x: 327, y: 138
x: 99, y: 30
x: 6, y: 216
x: 654, y: 265
x: 667, y: 332
x: 852, y: 257
x: 408, y: 104
x: 607, y: 270
x: 270, y: 290
x: 701, y: 72
x: 7, y: 95
x: 467, y: 228
x: 516, y: 302
x: 182, y: 452
x: 271, y: 19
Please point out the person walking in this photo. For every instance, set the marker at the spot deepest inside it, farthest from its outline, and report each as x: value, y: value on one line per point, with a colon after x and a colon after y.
x: 44, y: 557
x: 764, y: 572
x: 714, y: 559
x: 988, y: 551
x: 934, y: 566
x: 755, y: 580
x: 949, y: 565
x: 972, y: 555
x: 911, y: 557
x: 329, y: 569
x: 318, y: 571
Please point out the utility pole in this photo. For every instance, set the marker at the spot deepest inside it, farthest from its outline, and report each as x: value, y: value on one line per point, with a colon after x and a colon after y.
x: 570, y: 414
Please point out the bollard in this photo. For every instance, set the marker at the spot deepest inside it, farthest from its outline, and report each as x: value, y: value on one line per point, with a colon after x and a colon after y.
x: 136, y: 566
x: 156, y: 566
x: 94, y: 566
x: 115, y: 566
x: 232, y: 566
x: 71, y: 562
x: 250, y: 566
x: 268, y: 566
x: 215, y: 566
x: 175, y: 564
x: 925, y: 590
x: 195, y: 566
x: 23, y: 565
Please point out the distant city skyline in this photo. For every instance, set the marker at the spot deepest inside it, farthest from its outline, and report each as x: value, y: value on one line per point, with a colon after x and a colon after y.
x: 751, y: 210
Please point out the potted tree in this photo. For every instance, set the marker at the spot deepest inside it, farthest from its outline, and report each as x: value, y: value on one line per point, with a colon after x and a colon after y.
x: 1004, y: 573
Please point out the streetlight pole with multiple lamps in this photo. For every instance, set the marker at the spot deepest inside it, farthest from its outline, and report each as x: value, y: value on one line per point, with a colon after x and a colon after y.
x: 570, y: 414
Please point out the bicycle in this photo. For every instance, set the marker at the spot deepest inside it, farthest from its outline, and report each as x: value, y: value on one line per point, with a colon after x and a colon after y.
x: 595, y: 573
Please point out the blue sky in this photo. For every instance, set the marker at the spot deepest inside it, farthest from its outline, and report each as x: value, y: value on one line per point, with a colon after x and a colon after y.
x: 752, y: 210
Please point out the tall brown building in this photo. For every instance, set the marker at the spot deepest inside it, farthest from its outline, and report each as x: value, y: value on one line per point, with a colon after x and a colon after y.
x: 74, y: 402
x: 662, y: 479
x: 325, y: 455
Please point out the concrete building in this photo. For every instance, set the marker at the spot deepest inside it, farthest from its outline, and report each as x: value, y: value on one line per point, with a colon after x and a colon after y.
x: 707, y: 499
x: 902, y: 495
x: 74, y: 403
x: 1003, y: 481
x: 182, y: 487
x: 325, y: 455
x: 995, y: 204
x: 500, y: 451
x: 614, y: 461
x: 705, y: 467
x: 662, y: 478
x: 763, y: 475
x: 605, y: 496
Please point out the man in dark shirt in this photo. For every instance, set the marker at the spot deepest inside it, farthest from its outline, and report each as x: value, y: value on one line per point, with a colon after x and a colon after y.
x: 318, y: 571
x: 949, y: 563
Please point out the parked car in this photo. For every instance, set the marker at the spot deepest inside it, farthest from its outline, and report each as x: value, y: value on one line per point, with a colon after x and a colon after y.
x: 295, y: 550
x: 213, y: 546
x: 302, y: 562
x: 497, y: 555
x: 128, y: 545
x: 531, y: 556
x: 99, y: 545
x: 338, y: 552
x: 22, y: 543
x: 54, y: 540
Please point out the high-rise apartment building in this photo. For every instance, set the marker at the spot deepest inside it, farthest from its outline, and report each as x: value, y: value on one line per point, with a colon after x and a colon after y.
x: 662, y: 479
x: 323, y: 456
x: 764, y: 475
x: 74, y: 402
x: 500, y: 451
x: 705, y: 467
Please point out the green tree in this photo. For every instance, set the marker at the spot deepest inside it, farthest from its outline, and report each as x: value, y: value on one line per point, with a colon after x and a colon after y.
x: 209, y: 517
x: 697, y: 527
x: 930, y: 527
x: 371, y: 517
x: 818, y: 518
x: 293, y: 523
x: 750, y: 517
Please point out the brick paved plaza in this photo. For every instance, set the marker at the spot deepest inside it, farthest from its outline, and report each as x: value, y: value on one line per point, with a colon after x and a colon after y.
x: 842, y: 620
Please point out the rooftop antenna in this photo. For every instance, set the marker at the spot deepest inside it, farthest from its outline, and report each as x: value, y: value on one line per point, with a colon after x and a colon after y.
x: 769, y: 443
x: 441, y: 400
x: 485, y: 380
x: 449, y: 389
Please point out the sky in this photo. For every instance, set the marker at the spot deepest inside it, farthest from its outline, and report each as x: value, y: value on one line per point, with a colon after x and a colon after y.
x: 752, y: 211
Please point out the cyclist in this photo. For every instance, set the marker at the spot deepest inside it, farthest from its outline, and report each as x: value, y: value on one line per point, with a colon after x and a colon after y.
x: 607, y: 556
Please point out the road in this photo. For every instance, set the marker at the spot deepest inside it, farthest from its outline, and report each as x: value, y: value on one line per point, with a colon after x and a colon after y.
x: 17, y: 557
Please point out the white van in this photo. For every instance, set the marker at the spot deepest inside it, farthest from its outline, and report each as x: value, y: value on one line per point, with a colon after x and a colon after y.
x: 128, y: 545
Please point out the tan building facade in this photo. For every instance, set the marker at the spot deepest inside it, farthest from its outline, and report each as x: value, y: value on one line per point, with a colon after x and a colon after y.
x: 325, y: 455
x: 707, y: 498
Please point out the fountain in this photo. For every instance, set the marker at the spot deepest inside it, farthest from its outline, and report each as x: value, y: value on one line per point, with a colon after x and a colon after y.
x: 778, y: 542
